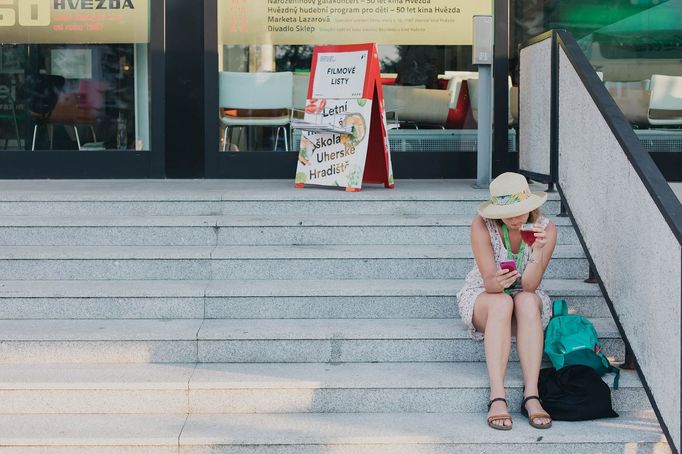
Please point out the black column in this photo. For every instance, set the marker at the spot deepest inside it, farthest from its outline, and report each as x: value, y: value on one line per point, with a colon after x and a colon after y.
x: 157, y: 63
x: 211, y: 89
x: 184, y: 89
x: 502, y: 160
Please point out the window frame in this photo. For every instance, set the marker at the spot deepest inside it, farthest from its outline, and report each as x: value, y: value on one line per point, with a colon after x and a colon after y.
x: 106, y: 164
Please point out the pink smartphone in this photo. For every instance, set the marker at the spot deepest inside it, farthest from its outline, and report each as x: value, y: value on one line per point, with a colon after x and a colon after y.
x: 508, y: 265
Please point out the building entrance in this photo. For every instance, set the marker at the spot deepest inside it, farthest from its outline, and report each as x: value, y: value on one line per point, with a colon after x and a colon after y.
x: 258, y: 72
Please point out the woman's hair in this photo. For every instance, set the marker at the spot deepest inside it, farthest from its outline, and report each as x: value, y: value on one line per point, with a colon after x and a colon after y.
x: 533, y: 217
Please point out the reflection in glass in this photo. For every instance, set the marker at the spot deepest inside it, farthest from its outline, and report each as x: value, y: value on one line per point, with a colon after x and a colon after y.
x: 73, y: 97
x: 635, y: 45
x: 430, y: 90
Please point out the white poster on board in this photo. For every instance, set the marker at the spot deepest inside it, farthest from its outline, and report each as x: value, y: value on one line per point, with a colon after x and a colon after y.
x: 340, y: 75
x: 331, y: 159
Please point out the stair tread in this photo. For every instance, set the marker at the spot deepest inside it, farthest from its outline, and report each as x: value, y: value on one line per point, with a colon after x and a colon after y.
x: 88, y: 376
x: 100, y: 330
x: 90, y: 430
x: 361, y: 375
x: 236, y: 329
x: 407, y: 375
x: 275, y: 252
x: 236, y: 190
x: 303, y: 220
x: 247, y: 329
x: 317, y: 428
x: 266, y: 288
x: 457, y: 428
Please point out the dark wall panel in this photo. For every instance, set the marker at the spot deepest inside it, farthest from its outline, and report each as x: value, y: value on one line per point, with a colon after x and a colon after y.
x: 184, y: 89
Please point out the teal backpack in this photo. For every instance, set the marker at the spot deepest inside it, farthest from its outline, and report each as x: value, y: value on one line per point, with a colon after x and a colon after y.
x: 571, y: 340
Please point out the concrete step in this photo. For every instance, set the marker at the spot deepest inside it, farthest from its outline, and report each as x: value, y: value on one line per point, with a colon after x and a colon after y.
x: 251, y: 341
x: 99, y: 341
x: 238, y: 197
x: 340, y: 433
x: 322, y: 207
x: 367, y: 388
x: 267, y: 388
x: 91, y: 434
x: 345, y: 340
x: 47, y: 388
x: 160, y: 299
x: 244, y: 230
x: 258, y: 262
x: 413, y: 433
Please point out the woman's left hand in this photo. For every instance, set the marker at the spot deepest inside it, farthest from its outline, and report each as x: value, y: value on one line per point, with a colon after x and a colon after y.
x: 540, y: 237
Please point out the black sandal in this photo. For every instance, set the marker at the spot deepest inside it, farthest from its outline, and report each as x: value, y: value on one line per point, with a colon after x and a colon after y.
x: 534, y: 416
x: 500, y: 417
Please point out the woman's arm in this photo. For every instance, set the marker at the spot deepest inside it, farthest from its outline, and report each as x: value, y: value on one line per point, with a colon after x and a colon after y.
x: 542, y: 249
x: 494, y: 280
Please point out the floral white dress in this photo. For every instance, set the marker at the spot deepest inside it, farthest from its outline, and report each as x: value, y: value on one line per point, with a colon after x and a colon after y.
x: 473, y: 285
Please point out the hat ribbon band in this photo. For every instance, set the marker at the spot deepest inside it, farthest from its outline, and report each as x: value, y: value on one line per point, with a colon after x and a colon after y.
x: 510, y: 199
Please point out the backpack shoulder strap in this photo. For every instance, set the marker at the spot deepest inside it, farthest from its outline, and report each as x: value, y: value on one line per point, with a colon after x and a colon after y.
x: 616, y: 379
x: 608, y: 368
x: 559, y: 308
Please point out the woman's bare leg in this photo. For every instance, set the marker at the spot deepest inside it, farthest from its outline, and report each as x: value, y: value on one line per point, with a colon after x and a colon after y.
x: 492, y: 316
x: 529, y: 345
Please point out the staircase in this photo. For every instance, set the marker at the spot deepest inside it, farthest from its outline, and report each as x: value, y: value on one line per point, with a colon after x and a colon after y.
x: 250, y: 317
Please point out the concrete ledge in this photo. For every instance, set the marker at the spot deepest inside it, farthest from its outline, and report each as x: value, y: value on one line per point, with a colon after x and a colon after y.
x: 95, y: 388
x: 349, y: 340
x: 225, y: 190
x: 249, y: 340
x: 237, y: 197
x: 263, y: 262
x: 365, y: 387
x: 256, y: 207
x: 243, y: 230
x: 159, y: 433
x: 264, y: 220
x: 265, y: 388
x: 419, y: 433
x: 358, y: 329
x: 464, y: 375
x: 309, y: 252
x: 99, y: 330
x: 96, y: 376
x: 98, y: 341
x: 244, y: 329
x: 177, y: 299
x: 260, y: 288
x: 75, y: 352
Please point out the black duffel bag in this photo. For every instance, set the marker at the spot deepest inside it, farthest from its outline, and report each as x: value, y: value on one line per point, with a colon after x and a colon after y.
x: 575, y: 393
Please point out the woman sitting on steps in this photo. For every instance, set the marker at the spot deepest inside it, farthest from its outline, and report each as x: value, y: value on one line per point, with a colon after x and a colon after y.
x: 501, y: 303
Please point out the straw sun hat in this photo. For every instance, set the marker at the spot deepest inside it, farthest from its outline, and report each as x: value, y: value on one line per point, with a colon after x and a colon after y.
x: 510, y: 196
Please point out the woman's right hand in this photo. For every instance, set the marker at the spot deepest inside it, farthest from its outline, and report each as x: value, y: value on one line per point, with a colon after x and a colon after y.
x: 506, y: 278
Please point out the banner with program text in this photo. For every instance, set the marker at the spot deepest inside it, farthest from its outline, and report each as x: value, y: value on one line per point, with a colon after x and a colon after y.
x: 344, y: 94
x: 438, y: 22
x: 74, y: 21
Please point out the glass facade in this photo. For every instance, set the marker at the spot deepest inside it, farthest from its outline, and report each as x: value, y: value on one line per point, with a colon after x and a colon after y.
x: 636, y: 48
x: 74, y: 75
x: 429, y: 81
